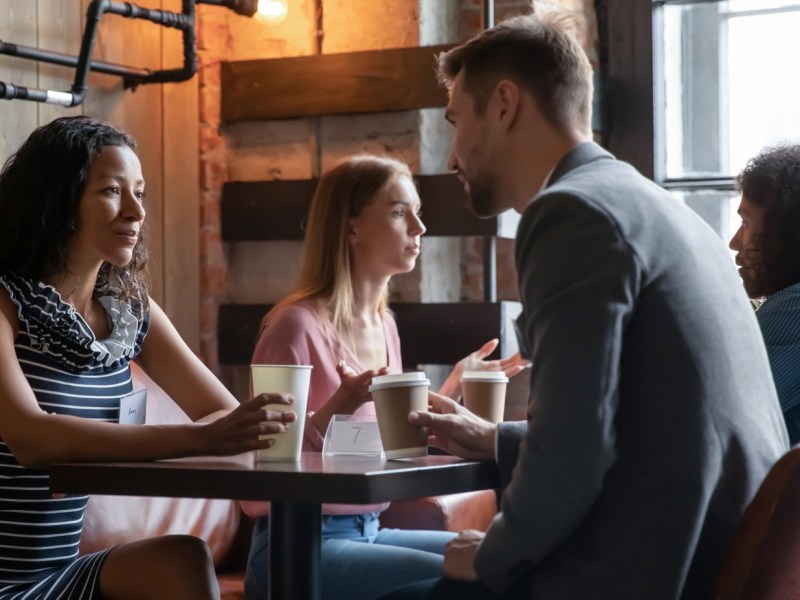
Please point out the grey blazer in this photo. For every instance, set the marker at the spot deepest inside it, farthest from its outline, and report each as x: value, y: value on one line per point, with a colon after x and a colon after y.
x: 653, y: 417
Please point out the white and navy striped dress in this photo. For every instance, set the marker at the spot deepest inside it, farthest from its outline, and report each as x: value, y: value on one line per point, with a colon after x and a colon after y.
x: 70, y: 373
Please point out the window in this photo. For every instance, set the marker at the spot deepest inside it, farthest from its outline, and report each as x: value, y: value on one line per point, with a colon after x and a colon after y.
x: 724, y: 82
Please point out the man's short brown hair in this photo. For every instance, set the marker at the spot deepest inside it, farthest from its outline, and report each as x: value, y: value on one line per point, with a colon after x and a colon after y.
x: 538, y: 52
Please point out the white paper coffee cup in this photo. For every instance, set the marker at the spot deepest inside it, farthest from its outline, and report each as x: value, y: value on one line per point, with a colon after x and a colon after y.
x: 284, y: 379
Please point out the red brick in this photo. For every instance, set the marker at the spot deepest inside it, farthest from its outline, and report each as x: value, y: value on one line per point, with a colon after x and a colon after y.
x: 210, y: 103
x: 213, y: 172
x: 212, y: 280
x: 210, y: 74
x: 210, y: 139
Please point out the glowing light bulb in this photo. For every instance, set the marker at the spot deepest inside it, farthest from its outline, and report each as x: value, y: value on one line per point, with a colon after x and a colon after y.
x: 272, y: 11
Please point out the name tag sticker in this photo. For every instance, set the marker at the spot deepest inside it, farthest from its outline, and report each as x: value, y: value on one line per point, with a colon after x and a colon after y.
x: 132, y: 408
x: 350, y: 435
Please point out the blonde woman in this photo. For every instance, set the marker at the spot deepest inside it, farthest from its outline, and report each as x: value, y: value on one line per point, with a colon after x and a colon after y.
x: 364, y: 227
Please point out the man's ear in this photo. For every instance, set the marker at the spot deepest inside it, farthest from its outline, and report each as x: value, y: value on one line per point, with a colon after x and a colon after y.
x: 352, y: 236
x: 507, y: 97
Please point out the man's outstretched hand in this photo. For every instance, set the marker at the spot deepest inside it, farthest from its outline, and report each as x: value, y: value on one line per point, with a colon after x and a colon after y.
x: 456, y: 430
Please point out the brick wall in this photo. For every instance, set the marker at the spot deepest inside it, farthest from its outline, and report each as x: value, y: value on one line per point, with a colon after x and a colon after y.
x: 449, y: 269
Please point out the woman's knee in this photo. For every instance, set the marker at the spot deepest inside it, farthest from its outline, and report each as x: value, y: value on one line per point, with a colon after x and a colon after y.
x: 177, y: 566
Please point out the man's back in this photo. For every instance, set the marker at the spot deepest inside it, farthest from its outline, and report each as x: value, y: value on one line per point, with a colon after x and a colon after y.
x: 653, y: 417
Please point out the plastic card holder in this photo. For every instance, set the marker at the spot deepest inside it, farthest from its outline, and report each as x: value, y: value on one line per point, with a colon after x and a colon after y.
x: 352, y: 435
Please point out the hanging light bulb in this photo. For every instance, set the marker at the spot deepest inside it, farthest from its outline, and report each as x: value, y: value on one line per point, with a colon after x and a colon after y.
x: 272, y: 11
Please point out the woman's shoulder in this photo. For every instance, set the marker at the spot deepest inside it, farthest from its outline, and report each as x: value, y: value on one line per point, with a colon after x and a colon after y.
x: 784, y: 301
x: 291, y: 322
x: 302, y: 312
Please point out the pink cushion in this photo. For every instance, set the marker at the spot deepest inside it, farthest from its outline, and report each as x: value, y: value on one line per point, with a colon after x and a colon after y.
x: 453, y: 512
x: 112, y: 520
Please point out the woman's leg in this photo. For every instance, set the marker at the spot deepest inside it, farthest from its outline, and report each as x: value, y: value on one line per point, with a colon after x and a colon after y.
x: 449, y: 589
x: 352, y: 567
x: 178, y: 567
x: 363, y: 571
x: 427, y: 541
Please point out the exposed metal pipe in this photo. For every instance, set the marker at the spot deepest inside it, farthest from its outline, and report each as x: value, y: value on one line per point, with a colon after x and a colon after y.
x: 489, y: 241
x: 487, y: 14
x: 132, y: 76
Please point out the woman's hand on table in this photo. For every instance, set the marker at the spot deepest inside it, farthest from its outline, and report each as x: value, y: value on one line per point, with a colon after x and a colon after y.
x: 455, y: 429
x: 511, y: 365
x: 242, y: 428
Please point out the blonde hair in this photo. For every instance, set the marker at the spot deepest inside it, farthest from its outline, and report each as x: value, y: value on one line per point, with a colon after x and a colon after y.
x: 342, y: 193
x: 539, y: 52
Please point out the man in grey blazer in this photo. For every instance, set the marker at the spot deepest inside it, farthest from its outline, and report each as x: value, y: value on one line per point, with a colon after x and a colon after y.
x: 653, y: 417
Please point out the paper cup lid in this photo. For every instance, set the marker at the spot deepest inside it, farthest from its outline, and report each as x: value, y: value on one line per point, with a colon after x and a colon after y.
x: 399, y: 380
x: 492, y: 376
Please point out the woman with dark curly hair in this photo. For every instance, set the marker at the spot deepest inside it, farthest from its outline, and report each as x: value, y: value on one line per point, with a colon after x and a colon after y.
x: 767, y: 246
x: 74, y: 311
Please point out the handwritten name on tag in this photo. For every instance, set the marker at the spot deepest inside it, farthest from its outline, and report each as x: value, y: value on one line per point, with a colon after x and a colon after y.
x: 132, y: 408
x: 346, y: 436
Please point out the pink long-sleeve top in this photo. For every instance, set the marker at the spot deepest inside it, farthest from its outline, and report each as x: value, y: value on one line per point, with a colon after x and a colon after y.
x: 299, y: 335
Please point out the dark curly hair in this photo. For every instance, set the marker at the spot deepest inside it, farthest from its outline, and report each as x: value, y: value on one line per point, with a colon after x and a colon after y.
x: 41, y: 186
x: 771, y: 181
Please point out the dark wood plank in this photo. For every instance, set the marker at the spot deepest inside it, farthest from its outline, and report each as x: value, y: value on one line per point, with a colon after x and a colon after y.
x: 276, y: 210
x: 350, y: 480
x: 327, y: 84
x: 430, y: 333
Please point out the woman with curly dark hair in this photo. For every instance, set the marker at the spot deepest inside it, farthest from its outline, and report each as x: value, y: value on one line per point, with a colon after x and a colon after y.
x: 767, y: 246
x: 74, y: 311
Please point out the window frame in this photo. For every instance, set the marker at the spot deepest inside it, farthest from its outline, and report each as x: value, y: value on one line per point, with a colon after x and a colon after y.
x: 630, y: 38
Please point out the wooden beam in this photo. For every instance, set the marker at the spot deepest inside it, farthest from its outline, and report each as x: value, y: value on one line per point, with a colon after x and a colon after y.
x: 430, y: 333
x: 329, y: 84
x: 276, y: 210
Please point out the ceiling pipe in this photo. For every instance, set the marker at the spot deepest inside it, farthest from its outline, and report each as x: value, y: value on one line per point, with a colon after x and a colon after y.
x: 132, y: 77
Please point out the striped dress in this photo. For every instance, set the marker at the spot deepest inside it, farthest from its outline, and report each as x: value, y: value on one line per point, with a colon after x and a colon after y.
x: 779, y: 319
x: 70, y: 373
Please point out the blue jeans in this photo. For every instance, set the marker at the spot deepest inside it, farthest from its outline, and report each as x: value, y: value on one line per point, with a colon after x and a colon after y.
x: 359, y: 560
x: 449, y: 589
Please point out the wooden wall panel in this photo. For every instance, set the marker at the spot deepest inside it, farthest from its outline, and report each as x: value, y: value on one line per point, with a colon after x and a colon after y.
x: 59, y: 27
x: 434, y: 334
x: 135, y: 43
x: 329, y: 84
x: 162, y: 118
x: 17, y: 119
x: 276, y: 210
x: 181, y: 193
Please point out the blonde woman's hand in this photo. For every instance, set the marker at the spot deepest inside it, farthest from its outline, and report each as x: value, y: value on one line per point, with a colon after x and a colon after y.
x: 354, y: 387
x: 241, y: 429
x: 352, y: 393
x: 511, y: 365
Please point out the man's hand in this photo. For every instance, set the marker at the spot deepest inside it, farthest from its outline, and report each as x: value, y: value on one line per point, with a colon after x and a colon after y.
x: 455, y: 429
x: 459, y: 557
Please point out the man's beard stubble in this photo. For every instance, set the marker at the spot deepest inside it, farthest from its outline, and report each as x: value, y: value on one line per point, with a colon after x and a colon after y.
x: 482, y: 197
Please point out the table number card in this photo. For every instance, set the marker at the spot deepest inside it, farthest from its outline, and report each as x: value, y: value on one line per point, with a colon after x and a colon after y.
x: 349, y: 434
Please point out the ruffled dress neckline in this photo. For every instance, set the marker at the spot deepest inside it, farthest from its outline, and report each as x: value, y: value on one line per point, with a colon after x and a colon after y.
x: 55, y: 328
